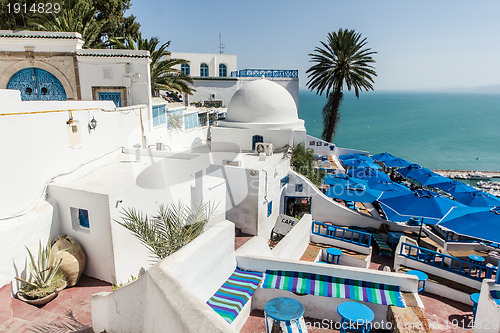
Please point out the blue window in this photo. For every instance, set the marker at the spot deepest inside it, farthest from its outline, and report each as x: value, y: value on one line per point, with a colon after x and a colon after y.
x: 185, y: 68
x: 269, y: 208
x: 159, y: 115
x: 222, y: 70
x: 191, y: 121
x: 203, y: 69
x: 116, y: 97
x: 83, y: 218
x: 299, y: 187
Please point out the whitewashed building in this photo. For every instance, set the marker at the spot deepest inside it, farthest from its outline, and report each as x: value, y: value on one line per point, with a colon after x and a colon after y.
x: 217, y: 78
x: 54, y: 66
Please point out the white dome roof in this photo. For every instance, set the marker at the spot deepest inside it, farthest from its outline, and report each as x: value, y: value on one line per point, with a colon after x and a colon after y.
x: 262, y: 101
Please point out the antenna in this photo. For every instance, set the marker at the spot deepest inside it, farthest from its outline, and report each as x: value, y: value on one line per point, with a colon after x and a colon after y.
x: 221, y: 45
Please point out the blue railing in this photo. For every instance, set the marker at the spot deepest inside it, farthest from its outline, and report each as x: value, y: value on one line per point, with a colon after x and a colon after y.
x: 274, y: 73
x: 447, y: 262
x: 343, y: 234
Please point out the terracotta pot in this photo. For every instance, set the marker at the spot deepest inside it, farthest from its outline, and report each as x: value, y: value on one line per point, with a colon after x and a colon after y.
x: 73, y: 259
x: 38, y: 301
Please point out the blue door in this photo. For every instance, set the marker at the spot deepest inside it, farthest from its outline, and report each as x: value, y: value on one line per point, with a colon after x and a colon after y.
x: 36, y: 84
x: 116, y: 97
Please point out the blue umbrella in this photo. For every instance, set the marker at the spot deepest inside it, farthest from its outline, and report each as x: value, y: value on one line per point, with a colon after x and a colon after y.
x: 370, y: 175
x: 343, y: 180
x: 477, y: 199
x: 453, y: 186
x: 356, y: 194
x: 428, y: 178
x: 429, y: 206
x: 482, y: 223
x: 412, y: 171
x: 356, y: 156
x: 360, y: 164
x: 382, y: 157
x: 410, y: 168
x: 397, y: 163
x: 384, y: 186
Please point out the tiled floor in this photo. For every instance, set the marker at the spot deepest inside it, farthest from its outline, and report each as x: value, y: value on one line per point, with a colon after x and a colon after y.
x: 72, y: 308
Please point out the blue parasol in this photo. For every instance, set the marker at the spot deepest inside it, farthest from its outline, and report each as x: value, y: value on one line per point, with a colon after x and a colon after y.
x: 382, y: 157
x: 482, y: 223
x: 397, y: 163
x: 356, y: 156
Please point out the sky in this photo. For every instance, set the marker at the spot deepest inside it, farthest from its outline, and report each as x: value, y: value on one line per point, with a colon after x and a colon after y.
x: 423, y: 45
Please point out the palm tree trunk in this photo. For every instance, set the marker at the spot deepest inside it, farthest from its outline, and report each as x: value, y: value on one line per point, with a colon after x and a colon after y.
x: 331, y: 115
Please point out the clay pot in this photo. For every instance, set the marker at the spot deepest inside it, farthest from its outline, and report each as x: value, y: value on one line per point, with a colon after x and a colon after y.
x: 38, y: 301
x: 73, y: 258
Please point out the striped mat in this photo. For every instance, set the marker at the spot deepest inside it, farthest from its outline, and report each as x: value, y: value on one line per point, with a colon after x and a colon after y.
x: 322, y: 285
x: 235, y: 293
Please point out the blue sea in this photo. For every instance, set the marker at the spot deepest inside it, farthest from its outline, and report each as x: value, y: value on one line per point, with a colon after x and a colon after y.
x: 436, y: 130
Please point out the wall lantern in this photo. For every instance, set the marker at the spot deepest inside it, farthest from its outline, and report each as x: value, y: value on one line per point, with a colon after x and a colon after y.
x: 92, y: 124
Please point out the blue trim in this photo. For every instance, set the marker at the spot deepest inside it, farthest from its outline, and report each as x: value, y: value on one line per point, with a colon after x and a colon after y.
x: 269, y: 208
x: 275, y: 73
x: 158, y: 114
x: 456, y: 265
x: 83, y: 218
x: 285, y: 180
x: 186, y: 68
x: 204, y: 70
x: 222, y: 70
x: 347, y: 235
x: 115, y: 97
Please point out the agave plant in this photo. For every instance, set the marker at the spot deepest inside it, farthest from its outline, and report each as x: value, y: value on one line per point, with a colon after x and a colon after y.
x: 173, y: 227
x: 42, y: 271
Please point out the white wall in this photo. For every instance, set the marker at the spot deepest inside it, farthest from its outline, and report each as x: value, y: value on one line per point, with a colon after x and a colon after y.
x: 488, y: 311
x: 211, y: 59
x: 16, y: 233
x: 41, y: 44
x: 173, y: 292
x: 137, y: 81
x: 39, y: 150
x: 294, y: 244
x: 96, y: 240
x: 242, y: 137
x: 325, y: 209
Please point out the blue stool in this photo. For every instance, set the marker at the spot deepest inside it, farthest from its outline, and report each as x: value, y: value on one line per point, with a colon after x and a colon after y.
x: 475, y: 299
x: 355, y: 314
x: 335, y: 253
x: 285, y: 313
x: 421, y: 277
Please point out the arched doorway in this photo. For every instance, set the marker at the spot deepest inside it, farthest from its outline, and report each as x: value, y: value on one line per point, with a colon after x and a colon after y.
x: 36, y: 84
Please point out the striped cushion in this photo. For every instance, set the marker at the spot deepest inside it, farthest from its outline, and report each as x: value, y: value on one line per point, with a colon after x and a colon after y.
x: 322, y: 285
x: 235, y: 293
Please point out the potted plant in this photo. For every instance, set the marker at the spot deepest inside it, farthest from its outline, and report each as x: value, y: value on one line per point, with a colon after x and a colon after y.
x: 44, y: 280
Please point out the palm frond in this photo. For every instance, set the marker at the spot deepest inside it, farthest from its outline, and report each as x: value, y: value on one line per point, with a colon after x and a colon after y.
x: 343, y: 61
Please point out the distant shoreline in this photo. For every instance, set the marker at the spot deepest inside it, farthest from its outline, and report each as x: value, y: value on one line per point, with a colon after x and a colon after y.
x: 446, y: 173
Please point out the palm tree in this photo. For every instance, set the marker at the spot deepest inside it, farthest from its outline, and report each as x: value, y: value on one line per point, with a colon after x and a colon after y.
x: 79, y: 16
x: 163, y: 75
x: 342, y: 62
